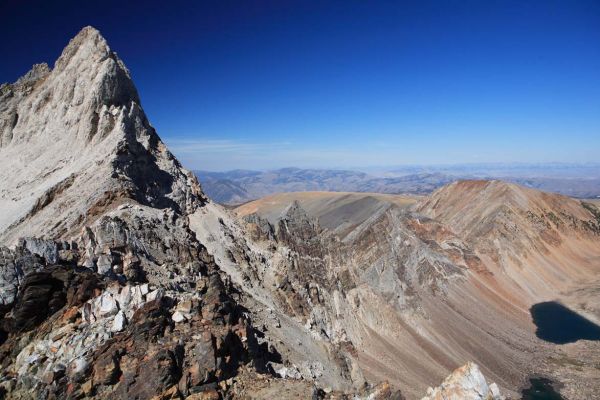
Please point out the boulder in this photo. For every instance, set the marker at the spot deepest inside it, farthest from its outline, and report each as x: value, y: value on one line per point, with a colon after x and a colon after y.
x: 465, y: 383
x: 119, y: 322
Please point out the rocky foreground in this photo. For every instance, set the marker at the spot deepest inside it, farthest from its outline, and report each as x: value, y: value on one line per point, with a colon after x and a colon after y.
x: 119, y: 278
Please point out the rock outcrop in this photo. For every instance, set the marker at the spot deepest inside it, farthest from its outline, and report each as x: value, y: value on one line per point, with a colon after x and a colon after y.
x: 75, y: 142
x: 465, y: 383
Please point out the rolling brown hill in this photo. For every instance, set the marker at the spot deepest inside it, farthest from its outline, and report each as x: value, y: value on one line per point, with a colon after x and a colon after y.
x: 337, y: 211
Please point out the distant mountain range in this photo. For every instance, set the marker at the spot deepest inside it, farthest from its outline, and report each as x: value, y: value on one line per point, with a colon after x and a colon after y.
x: 239, y: 186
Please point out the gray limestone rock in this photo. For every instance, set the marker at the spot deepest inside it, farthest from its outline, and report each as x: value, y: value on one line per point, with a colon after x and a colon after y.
x: 88, y: 105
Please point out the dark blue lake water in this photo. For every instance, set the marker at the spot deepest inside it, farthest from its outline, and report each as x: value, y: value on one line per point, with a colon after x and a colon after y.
x: 557, y: 324
x: 540, y: 389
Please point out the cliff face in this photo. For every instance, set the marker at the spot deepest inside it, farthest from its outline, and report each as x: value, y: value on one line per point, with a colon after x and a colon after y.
x: 75, y: 142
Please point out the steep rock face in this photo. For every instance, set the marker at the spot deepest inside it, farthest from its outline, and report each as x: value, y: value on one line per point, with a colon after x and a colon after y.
x: 281, y: 295
x: 74, y: 142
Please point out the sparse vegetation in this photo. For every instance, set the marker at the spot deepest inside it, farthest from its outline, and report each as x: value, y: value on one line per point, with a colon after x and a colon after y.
x: 554, y: 218
x: 593, y: 209
x: 539, y: 220
x: 593, y: 225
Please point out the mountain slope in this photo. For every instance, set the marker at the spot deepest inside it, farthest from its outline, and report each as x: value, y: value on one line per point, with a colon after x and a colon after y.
x: 543, y: 242
x: 75, y: 142
x: 422, y: 291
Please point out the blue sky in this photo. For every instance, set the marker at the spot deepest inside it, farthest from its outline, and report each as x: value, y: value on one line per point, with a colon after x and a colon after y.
x: 266, y: 84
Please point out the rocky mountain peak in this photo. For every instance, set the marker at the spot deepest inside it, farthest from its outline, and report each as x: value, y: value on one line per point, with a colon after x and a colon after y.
x: 88, y: 80
x: 89, y: 60
x: 75, y: 139
x: 295, y: 212
x: 88, y: 39
x: 296, y: 223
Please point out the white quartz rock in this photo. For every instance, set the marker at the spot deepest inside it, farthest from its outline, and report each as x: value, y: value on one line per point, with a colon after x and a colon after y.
x: 178, y: 316
x: 107, y: 305
x: 119, y: 322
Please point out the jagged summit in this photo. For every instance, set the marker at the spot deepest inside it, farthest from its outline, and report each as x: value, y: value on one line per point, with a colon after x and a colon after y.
x: 87, y: 80
x: 294, y: 211
x: 89, y: 54
x: 295, y: 224
x: 89, y: 38
x: 74, y: 141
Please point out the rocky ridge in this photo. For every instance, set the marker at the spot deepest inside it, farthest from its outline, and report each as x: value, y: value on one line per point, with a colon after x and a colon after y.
x: 350, y: 300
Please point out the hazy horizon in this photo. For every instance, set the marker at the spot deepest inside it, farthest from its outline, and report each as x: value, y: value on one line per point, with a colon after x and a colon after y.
x: 547, y: 167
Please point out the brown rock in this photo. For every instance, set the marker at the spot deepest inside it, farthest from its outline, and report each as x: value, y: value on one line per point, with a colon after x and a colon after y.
x: 210, y: 394
x: 106, y: 369
x: 155, y: 375
x: 87, y: 387
x: 70, y: 315
x: 48, y: 377
x: 169, y: 394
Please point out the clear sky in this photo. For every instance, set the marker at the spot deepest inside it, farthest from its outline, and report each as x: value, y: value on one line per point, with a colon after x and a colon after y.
x: 266, y: 84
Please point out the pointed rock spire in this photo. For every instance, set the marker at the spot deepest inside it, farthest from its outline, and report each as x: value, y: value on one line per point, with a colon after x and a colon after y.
x: 76, y: 139
x: 295, y: 212
x: 88, y: 59
x: 87, y: 43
